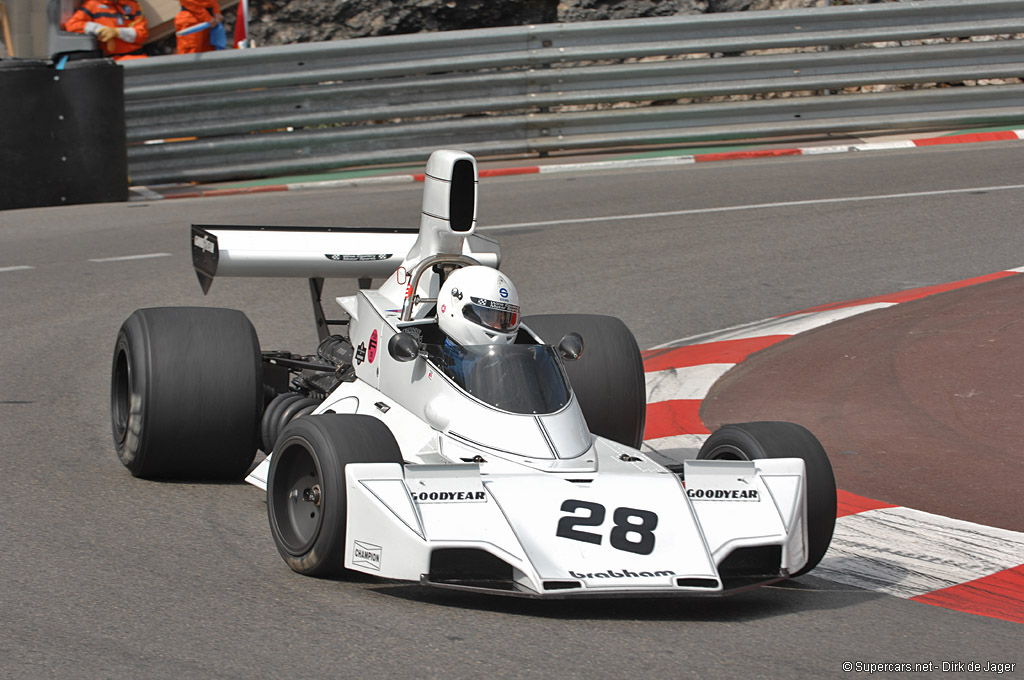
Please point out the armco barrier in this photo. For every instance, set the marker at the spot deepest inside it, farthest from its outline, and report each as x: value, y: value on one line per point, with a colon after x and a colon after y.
x: 536, y: 89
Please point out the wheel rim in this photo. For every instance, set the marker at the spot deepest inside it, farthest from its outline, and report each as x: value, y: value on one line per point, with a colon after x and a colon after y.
x: 121, y: 395
x: 298, y: 499
x: 727, y: 452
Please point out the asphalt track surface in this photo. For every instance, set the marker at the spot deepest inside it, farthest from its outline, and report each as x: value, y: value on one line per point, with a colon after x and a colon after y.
x: 102, y: 575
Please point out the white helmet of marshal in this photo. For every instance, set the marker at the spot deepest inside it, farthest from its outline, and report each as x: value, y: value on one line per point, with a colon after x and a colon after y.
x: 478, y: 305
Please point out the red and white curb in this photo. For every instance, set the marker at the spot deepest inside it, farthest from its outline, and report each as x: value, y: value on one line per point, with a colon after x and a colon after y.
x: 876, y: 546
x: 142, y: 193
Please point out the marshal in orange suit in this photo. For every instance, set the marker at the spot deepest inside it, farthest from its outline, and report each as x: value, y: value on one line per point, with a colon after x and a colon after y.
x: 196, y: 12
x: 120, y: 27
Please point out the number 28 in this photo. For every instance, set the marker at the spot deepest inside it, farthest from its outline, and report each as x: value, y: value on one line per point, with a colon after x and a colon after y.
x: 632, y: 530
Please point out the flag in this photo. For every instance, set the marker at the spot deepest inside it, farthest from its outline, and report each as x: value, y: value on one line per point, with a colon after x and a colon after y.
x: 242, y: 25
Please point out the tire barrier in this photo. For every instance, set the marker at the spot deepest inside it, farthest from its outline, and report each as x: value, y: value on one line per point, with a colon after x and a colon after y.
x: 62, y: 133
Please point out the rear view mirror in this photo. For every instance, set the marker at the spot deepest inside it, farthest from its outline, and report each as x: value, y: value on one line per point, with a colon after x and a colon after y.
x: 403, y: 347
x: 571, y: 346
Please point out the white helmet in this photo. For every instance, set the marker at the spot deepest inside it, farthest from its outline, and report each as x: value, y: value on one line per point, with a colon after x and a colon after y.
x: 477, y: 305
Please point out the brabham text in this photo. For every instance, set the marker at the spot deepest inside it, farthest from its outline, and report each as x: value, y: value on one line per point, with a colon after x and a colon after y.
x: 625, y: 573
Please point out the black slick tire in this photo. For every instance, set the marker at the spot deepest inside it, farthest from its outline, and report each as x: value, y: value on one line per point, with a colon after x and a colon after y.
x: 186, y: 393
x: 307, y: 500
x: 771, y: 439
x: 608, y: 378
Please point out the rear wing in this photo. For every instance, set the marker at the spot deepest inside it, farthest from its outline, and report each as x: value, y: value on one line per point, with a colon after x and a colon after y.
x: 447, y: 229
x: 312, y: 252
x: 306, y: 252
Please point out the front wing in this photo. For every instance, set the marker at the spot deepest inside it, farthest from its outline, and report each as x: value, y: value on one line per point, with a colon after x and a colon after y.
x: 623, y: 532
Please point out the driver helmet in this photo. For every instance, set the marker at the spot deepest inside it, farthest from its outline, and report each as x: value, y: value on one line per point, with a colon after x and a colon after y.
x: 478, y: 305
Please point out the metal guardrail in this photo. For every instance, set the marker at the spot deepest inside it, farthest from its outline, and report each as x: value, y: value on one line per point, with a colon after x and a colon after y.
x: 536, y: 89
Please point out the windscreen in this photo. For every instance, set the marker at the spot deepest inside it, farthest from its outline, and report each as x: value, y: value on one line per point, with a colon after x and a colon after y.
x: 524, y: 379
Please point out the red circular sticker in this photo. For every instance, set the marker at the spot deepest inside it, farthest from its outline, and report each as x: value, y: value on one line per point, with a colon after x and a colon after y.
x: 371, y: 348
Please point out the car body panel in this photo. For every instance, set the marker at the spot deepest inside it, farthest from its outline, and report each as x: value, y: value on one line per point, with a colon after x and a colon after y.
x: 567, y: 528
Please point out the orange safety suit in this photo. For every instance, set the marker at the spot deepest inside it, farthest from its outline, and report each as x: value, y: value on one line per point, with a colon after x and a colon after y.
x: 196, y: 12
x: 119, y: 27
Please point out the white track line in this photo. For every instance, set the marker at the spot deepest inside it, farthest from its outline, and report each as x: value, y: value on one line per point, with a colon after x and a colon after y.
x: 124, y: 258
x: 779, y: 325
x: 616, y: 164
x: 753, y: 206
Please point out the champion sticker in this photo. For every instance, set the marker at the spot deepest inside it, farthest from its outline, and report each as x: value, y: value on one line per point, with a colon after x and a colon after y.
x: 366, y: 555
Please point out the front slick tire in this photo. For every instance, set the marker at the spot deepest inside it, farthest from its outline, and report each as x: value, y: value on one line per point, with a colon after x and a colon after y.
x: 757, y: 441
x: 307, y: 499
x: 186, y: 393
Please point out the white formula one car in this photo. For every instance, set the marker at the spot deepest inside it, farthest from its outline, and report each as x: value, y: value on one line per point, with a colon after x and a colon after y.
x: 442, y: 439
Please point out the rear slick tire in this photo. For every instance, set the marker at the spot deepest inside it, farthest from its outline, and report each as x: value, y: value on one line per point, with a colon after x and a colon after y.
x: 771, y: 439
x: 186, y: 393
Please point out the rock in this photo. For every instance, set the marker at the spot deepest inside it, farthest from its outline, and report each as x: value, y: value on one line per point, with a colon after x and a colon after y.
x: 276, y: 22
x: 600, y: 10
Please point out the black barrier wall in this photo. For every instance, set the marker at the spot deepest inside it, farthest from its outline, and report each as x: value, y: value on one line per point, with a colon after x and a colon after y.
x: 62, y: 133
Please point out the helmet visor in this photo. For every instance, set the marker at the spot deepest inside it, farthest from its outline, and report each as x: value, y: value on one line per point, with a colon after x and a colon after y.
x: 498, y: 316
